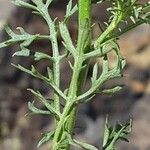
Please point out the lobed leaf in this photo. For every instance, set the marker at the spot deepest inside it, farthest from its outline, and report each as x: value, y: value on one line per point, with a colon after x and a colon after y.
x: 46, y: 138
x: 112, y: 90
x: 35, y: 110
x: 48, y: 2
x: 82, y: 145
x: 113, y: 134
x: 23, y: 37
x: 22, y: 3
x: 67, y: 39
x: 95, y: 73
x: 70, y: 10
x: 36, y: 55
x: 46, y: 103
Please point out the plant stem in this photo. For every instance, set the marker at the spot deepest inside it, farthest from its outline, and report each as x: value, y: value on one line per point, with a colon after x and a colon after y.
x: 83, y: 45
x: 118, y: 16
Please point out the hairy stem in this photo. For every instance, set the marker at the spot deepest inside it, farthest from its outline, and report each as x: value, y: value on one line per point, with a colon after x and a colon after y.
x: 83, y: 45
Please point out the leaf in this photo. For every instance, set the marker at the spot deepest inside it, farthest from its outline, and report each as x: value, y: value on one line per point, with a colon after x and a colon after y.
x: 64, y: 141
x: 38, y: 3
x: 25, y: 38
x: 35, y: 110
x: 112, y: 90
x: 32, y: 72
x: 83, y: 145
x: 21, y: 3
x: 22, y: 68
x: 39, y: 56
x: 69, y: 7
x: 3, y: 44
x: 36, y: 55
x: 113, y: 134
x: 9, y: 31
x: 24, y: 52
x: 132, y: 19
x: 50, y: 73
x: 48, y: 2
x: 95, y: 73
x: 70, y: 11
x: 67, y: 39
x: 46, y: 138
x: 46, y: 103
x: 106, y: 132
x: 66, y: 124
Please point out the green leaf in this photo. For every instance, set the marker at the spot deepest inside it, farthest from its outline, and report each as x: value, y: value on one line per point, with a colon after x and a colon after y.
x: 132, y: 19
x: 9, y: 31
x: 95, y: 73
x: 112, y: 90
x: 35, y: 110
x: 22, y: 68
x: 24, y: 52
x: 70, y: 11
x: 102, y: 51
x: 23, y: 37
x: 83, y: 145
x: 48, y: 2
x: 63, y: 143
x: 38, y: 3
x: 66, y: 124
x: 46, y: 138
x: 32, y: 72
x: 46, y: 103
x: 67, y: 39
x: 21, y: 3
x: 113, y: 134
x: 70, y: 64
x: 40, y: 55
x: 106, y: 132
x: 3, y: 44
x: 50, y: 73
x: 36, y: 55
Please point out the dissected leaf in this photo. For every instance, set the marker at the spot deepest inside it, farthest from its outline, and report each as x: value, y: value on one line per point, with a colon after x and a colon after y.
x: 95, y: 73
x: 113, y: 134
x: 22, y: 3
x: 46, y: 138
x: 70, y: 10
x: 36, y: 55
x: 22, y: 68
x: 35, y: 110
x: 46, y: 103
x: 83, y: 145
x: 106, y: 132
x: 112, y: 90
x: 25, y: 38
x: 67, y: 39
x: 24, y: 52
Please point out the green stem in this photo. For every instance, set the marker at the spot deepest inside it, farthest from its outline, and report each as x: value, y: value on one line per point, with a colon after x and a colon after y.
x: 83, y: 45
x: 84, y: 32
x: 118, y: 16
x: 116, y: 20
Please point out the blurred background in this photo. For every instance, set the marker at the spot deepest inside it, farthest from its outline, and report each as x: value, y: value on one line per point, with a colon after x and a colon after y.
x: 21, y: 131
